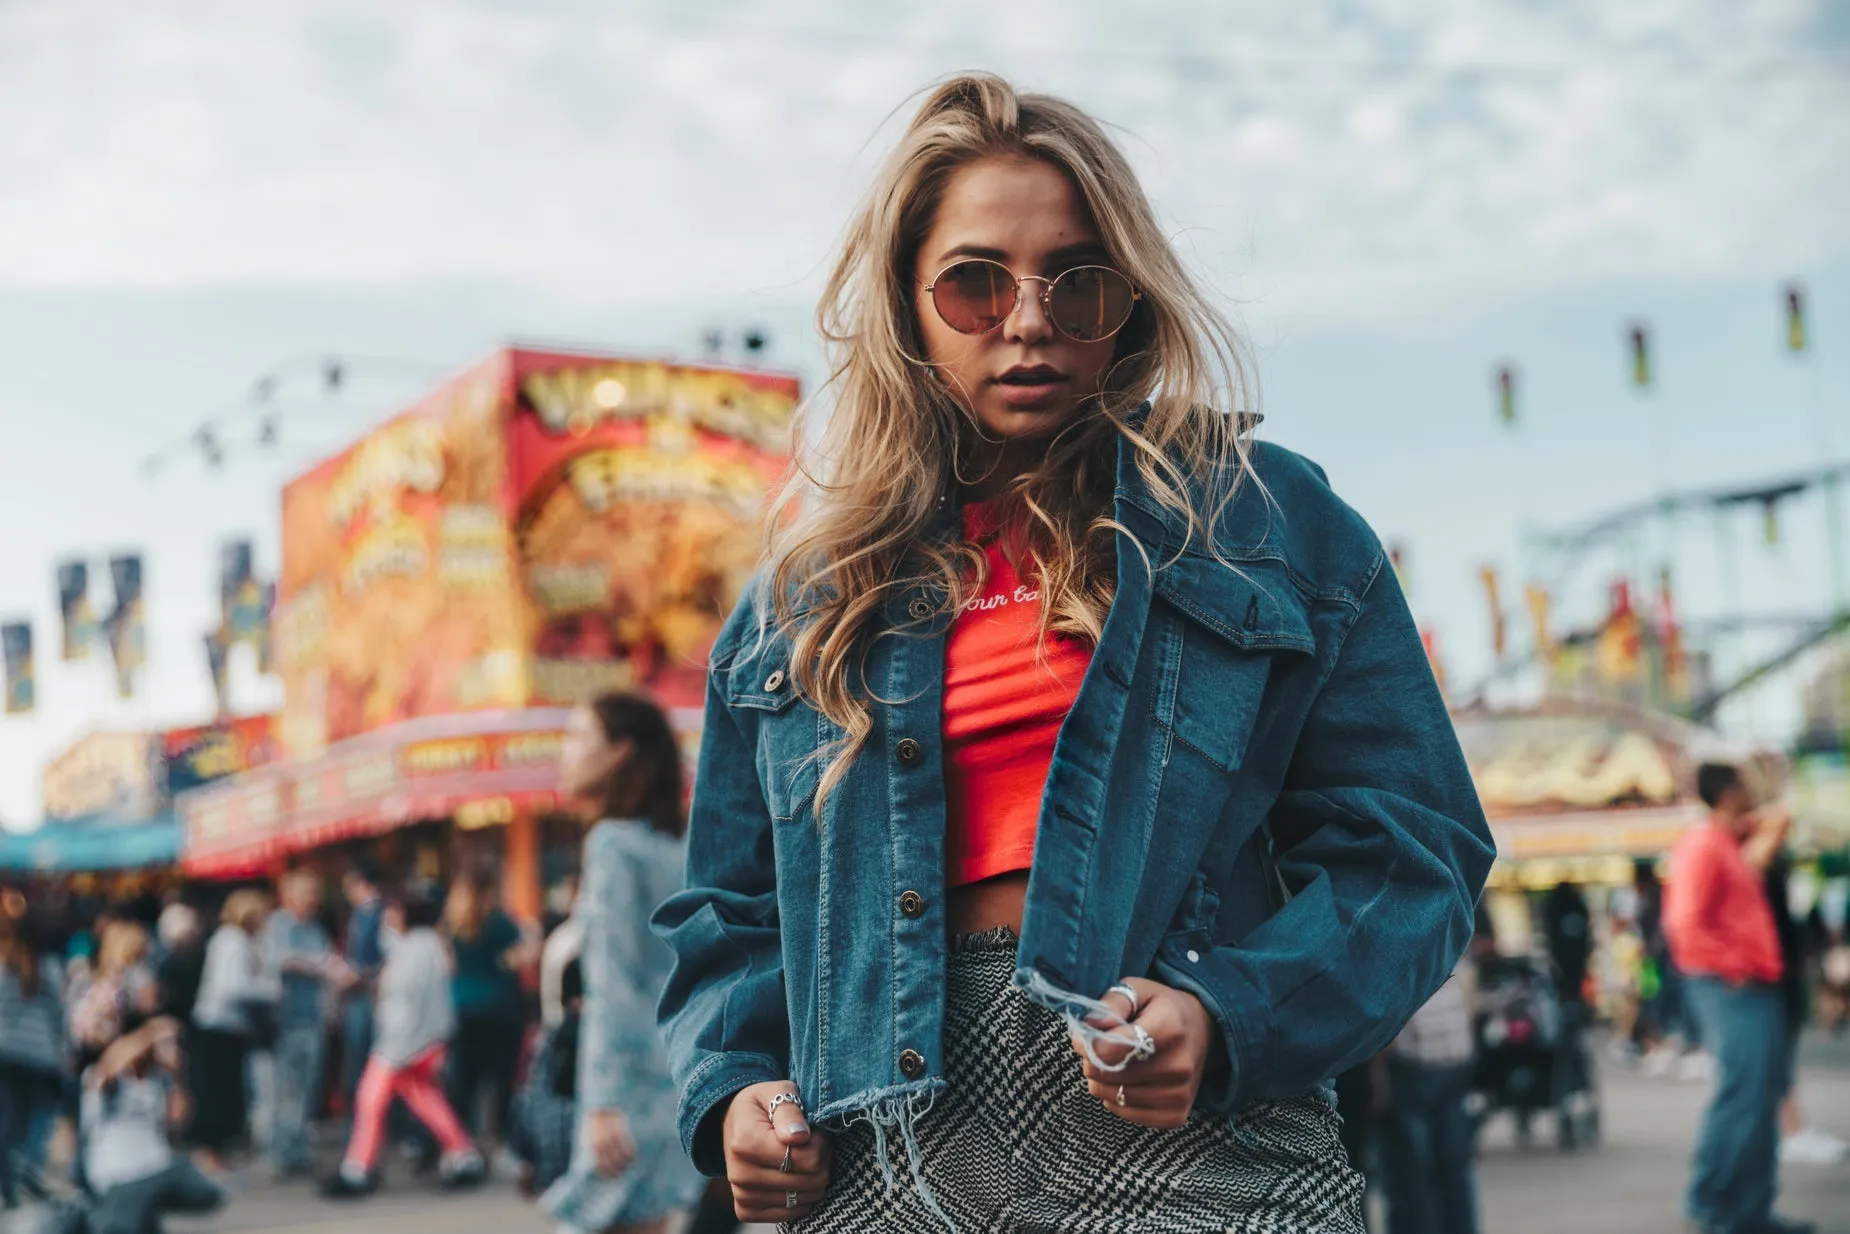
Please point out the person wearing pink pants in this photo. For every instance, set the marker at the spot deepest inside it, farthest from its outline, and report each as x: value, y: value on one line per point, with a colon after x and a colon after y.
x: 415, y: 1019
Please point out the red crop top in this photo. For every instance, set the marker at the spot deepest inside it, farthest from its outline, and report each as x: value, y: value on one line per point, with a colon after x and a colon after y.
x: 1003, y: 707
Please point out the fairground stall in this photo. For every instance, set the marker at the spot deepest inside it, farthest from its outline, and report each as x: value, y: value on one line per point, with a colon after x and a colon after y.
x: 1593, y: 795
x: 110, y: 832
x: 543, y: 527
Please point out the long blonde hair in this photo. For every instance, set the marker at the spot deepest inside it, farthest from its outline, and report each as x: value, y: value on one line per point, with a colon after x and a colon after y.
x: 123, y: 945
x: 851, y: 529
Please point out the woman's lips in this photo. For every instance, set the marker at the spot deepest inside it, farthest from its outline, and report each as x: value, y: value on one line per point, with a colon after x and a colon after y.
x: 1033, y: 390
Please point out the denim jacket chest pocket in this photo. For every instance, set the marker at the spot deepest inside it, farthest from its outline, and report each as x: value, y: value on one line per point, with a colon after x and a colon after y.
x: 791, y: 734
x: 1234, y: 631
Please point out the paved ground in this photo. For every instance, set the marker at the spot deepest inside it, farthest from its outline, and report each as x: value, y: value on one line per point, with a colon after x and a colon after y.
x: 1629, y: 1185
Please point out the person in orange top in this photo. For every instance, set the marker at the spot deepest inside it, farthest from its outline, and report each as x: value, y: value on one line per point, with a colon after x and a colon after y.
x: 1721, y: 934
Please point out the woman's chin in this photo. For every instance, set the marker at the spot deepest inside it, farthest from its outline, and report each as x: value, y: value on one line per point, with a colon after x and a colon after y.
x: 1024, y: 423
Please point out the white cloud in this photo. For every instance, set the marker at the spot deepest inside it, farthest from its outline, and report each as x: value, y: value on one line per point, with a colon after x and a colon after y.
x: 1356, y: 153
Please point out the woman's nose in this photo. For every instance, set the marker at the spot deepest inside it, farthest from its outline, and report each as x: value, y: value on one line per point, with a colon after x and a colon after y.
x: 1029, y: 322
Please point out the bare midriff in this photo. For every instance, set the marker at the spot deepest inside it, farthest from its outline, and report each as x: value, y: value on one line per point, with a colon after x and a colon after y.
x: 975, y: 907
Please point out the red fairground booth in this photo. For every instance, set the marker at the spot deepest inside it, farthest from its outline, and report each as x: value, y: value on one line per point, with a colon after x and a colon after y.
x: 543, y: 527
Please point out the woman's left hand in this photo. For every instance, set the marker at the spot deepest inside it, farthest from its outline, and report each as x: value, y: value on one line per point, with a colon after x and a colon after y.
x: 613, y: 1149
x: 1158, y: 1091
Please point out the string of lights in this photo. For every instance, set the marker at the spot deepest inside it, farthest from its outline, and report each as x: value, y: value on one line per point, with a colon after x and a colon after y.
x: 254, y: 422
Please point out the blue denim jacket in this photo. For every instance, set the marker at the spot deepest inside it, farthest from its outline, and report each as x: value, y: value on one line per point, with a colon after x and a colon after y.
x: 1257, y: 797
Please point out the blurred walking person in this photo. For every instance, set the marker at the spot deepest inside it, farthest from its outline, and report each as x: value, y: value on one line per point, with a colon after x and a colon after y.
x: 545, y: 1115
x: 416, y: 1017
x: 622, y: 767
x: 228, y: 1016
x: 34, y: 1058
x: 1428, y: 1171
x: 490, y: 950
x: 363, y: 950
x: 1800, y: 939
x: 300, y: 964
x: 182, y: 964
x: 1722, y: 936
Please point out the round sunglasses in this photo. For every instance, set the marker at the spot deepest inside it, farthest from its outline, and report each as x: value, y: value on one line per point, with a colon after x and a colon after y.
x: 1085, y: 303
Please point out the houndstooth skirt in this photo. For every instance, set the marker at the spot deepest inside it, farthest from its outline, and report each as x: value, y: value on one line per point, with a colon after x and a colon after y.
x: 1017, y: 1144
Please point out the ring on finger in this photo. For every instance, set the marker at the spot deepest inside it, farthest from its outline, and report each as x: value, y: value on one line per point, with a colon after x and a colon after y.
x: 1146, y: 1044
x: 790, y: 1199
x: 1122, y: 988
x: 1120, y: 1094
x: 770, y: 1111
x: 785, y: 1168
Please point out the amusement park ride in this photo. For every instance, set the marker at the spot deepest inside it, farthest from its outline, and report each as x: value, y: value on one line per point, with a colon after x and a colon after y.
x: 1584, y: 740
x: 1564, y: 556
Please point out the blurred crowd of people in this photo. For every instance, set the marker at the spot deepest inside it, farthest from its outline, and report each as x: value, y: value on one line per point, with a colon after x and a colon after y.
x: 193, y: 1047
x: 190, y: 1047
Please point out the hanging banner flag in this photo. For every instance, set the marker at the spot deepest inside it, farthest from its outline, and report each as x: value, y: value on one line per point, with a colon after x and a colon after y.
x: 1429, y: 639
x: 240, y: 595
x: 126, y: 627
x: 1621, y: 639
x: 16, y: 640
x: 1641, y: 355
x: 1670, y: 637
x: 1536, y: 596
x: 1499, y: 630
x: 78, y: 616
x: 218, y: 656
x: 1506, y: 394
x: 1397, y: 557
x: 264, y: 640
x: 1795, y: 317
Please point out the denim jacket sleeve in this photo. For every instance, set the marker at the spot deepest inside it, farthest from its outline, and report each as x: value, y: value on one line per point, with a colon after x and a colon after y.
x: 723, y: 1012
x: 1378, y: 836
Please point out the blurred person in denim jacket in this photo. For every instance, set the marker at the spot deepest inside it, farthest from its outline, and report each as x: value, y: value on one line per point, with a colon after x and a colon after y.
x: 302, y: 969
x: 363, y: 949
x: 622, y: 768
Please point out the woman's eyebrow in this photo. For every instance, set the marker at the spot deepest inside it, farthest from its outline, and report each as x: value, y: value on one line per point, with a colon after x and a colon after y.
x: 1066, y: 252
x: 1085, y: 248
x: 974, y: 250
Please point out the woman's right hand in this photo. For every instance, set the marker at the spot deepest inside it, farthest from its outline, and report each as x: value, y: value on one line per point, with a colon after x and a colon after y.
x: 756, y: 1142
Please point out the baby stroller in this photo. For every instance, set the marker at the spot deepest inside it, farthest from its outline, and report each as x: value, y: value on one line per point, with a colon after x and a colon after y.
x: 1532, y: 1053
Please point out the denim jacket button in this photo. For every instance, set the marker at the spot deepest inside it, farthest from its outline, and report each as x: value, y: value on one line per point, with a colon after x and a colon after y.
x: 911, y: 903
x: 908, y: 751
x: 919, y: 609
x: 774, y: 682
x: 911, y: 1064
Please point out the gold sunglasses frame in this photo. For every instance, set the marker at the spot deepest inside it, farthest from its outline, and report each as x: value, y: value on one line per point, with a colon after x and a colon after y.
x: 1046, y: 296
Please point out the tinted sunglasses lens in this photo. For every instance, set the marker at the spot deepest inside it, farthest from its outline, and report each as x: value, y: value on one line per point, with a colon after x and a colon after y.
x: 974, y: 297
x: 1091, y: 303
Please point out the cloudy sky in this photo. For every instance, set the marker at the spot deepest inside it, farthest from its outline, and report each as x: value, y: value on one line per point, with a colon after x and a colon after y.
x: 1391, y: 196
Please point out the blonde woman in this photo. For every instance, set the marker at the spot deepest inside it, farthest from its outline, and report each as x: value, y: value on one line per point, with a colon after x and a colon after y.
x: 226, y: 1014
x: 1075, y: 798
x: 120, y: 995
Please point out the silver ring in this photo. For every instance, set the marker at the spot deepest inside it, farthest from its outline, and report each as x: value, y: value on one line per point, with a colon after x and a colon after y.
x: 770, y: 1111
x: 1129, y: 993
x: 1120, y: 1094
x: 785, y: 1168
x: 790, y: 1199
x: 1146, y: 1044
